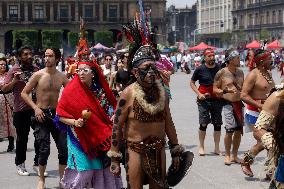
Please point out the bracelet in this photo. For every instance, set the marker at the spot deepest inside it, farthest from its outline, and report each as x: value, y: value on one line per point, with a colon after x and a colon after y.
x: 74, y: 123
x: 171, y: 145
x: 177, y: 150
x: 114, y: 155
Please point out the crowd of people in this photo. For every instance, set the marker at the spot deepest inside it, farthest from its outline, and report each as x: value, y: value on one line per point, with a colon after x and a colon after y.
x: 221, y: 95
x: 114, y: 109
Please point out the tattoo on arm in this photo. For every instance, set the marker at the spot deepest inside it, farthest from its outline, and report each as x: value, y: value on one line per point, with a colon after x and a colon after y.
x: 117, y: 124
x: 218, y: 76
x: 170, y: 127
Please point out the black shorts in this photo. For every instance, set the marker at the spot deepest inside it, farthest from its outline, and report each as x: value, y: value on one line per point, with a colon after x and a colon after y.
x: 210, y: 111
x: 42, y: 136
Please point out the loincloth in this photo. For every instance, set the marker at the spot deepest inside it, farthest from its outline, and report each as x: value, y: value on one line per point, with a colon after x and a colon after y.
x: 233, y: 115
x: 150, y: 150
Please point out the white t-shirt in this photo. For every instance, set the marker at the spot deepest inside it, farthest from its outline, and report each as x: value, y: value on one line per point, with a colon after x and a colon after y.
x: 179, y: 57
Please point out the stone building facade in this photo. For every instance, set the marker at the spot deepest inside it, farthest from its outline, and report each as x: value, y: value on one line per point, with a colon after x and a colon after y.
x: 182, y: 23
x: 214, y: 18
x: 100, y: 15
x: 253, y: 16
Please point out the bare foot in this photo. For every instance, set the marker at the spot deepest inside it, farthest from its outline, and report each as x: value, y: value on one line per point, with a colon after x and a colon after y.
x: 235, y: 160
x: 201, y: 151
x: 40, y: 184
x: 218, y: 152
x: 227, y: 160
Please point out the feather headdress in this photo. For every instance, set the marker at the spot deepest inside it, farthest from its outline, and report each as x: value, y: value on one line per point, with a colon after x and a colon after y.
x: 139, y: 35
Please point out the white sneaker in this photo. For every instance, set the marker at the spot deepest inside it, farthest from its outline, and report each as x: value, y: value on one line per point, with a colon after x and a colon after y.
x: 36, y: 169
x: 22, y: 170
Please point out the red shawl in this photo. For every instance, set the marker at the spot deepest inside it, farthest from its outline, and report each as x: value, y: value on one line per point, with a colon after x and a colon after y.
x: 95, y: 135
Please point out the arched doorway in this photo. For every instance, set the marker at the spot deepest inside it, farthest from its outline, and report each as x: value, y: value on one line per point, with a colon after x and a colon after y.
x: 90, y: 37
x: 117, y: 38
x: 9, y: 41
x: 65, y: 39
x: 117, y: 35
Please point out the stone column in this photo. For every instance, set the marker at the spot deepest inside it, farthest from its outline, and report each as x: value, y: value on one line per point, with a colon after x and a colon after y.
x: 76, y: 11
x: 26, y: 9
x: 51, y: 12
x: 125, y: 10
x: 70, y: 14
x: 19, y: 13
x: 101, y: 12
x: 1, y: 15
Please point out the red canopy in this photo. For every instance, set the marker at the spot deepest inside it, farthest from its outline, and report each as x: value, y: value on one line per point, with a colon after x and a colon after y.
x: 253, y: 45
x: 274, y: 45
x: 201, y: 46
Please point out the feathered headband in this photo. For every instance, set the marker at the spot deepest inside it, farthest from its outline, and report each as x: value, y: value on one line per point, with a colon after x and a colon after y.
x: 139, y: 35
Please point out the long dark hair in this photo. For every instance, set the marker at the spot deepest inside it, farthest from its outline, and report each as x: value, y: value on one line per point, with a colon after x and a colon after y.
x: 278, y: 134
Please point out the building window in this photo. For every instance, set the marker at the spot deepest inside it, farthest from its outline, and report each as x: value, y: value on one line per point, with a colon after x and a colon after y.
x: 273, y: 17
x: 267, y: 18
x: 261, y: 19
x: 39, y: 11
x: 112, y: 11
x: 256, y: 19
x: 280, y: 16
x: 64, y: 12
x: 89, y: 11
x: 250, y: 19
x: 13, y: 11
x: 241, y: 22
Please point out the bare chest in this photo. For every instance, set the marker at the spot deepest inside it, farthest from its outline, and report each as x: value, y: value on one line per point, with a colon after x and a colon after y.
x: 262, y: 85
x: 49, y: 83
x: 232, y: 79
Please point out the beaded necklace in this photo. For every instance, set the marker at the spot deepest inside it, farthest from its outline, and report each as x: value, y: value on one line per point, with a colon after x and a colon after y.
x: 267, y: 76
x: 102, y: 98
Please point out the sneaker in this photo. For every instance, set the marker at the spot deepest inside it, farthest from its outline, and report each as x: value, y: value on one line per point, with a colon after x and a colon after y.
x: 36, y: 169
x: 22, y: 170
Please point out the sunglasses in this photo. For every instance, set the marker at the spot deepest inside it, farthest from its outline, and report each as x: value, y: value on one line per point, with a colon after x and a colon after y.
x: 84, y: 70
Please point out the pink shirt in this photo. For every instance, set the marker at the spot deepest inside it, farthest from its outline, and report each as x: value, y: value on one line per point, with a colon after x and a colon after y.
x: 19, y: 103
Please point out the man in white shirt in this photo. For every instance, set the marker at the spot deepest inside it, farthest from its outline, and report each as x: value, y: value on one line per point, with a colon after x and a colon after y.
x: 179, y: 59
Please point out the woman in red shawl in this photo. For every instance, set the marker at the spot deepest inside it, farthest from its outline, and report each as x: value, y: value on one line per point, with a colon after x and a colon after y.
x: 85, y: 108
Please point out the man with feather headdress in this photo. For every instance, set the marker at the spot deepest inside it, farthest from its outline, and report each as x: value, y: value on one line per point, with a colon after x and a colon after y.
x: 144, y: 115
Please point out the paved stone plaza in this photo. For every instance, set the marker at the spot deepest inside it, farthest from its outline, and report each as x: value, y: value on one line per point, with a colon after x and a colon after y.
x: 208, y: 172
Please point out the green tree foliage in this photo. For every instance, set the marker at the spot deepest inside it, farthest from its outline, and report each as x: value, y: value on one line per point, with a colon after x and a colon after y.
x: 73, y: 38
x: 51, y: 38
x: 28, y: 37
x: 104, y: 37
x: 264, y: 34
x: 227, y: 37
x: 241, y: 35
